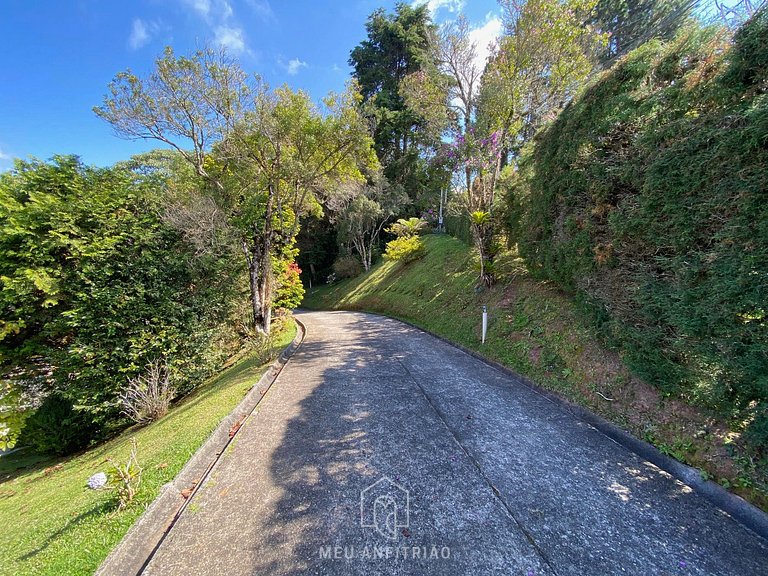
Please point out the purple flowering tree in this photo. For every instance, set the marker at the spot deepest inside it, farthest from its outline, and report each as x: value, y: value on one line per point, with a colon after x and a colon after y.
x: 477, y: 159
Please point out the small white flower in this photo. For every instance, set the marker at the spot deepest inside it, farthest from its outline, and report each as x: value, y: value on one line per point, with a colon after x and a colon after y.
x: 98, y: 480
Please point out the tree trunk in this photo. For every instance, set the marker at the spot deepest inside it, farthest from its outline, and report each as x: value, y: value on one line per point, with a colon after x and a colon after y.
x: 260, y: 281
x: 483, y: 237
x: 258, y: 257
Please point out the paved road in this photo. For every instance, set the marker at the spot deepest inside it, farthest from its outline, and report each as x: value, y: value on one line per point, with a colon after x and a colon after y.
x: 499, y: 480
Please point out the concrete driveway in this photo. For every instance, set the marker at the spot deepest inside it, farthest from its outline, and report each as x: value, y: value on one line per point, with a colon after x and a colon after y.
x: 382, y: 450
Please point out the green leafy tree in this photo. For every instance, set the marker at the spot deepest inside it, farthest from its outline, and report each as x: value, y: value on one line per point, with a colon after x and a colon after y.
x: 363, y: 210
x: 267, y: 155
x: 488, y: 107
x: 94, y: 286
x: 447, y: 95
x: 277, y: 165
x: 543, y: 58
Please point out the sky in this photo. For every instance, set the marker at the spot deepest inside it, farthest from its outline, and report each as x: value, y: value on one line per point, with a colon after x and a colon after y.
x: 60, y: 55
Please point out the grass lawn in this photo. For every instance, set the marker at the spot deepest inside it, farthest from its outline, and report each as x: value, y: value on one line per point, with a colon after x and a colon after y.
x: 540, y: 333
x: 52, y: 524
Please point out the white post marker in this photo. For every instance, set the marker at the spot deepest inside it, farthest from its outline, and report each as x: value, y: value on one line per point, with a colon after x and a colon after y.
x: 440, y: 226
x: 485, y: 321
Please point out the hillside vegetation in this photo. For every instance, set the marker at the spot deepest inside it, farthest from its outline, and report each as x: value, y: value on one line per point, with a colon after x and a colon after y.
x: 646, y: 198
x: 539, y: 332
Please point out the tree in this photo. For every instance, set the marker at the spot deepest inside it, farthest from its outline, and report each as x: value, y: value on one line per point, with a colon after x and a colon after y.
x: 734, y: 14
x: 267, y: 156
x: 397, y: 45
x: 447, y: 96
x: 94, y: 287
x: 543, y: 58
x: 489, y: 108
x: 184, y: 207
x: 630, y: 23
x: 364, y: 210
x: 278, y: 164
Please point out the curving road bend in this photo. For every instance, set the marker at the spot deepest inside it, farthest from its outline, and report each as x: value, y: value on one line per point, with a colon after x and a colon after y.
x: 382, y: 450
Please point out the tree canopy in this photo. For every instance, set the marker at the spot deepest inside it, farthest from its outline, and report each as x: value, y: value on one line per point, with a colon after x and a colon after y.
x: 268, y: 156
x: 396, y: 46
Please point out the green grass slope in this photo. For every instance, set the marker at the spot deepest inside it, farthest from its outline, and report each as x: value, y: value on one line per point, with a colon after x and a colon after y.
x: 540, y: 333
x: 52, y: 524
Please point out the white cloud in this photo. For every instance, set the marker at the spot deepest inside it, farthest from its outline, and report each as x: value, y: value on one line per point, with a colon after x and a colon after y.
x: 231, y: 38
x: 6, y: 161
x: 226, y: 10
x: 435, y: 5
x: 211, y: 10
x: 484, y: 37
x: 294, y: 66
x: 202, y: 7
x: 139, y: 34
x: 261, y: 8
x: 219, y: 17
x: 142, y: 32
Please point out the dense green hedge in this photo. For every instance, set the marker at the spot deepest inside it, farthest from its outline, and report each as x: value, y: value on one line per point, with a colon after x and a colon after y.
x: 94, y: 286
x: 648, y: 198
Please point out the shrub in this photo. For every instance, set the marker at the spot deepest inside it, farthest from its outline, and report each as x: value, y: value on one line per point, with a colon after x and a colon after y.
x: 347, y: 267
x: 147, y: 397
x: 290, y: 290
x: 263, y: 348
x: 405, y: 249
x: 56, y: 427
x: 125, y: 479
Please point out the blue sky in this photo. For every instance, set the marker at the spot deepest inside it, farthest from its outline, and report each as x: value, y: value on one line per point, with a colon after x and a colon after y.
x: 59, y: 56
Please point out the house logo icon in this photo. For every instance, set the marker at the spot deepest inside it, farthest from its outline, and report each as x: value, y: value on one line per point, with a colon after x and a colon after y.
x: 384, y: 506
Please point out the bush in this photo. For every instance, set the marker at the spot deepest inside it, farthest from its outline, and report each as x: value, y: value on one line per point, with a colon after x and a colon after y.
x: 148, y: 397
x: 95, y: 286
x: 56, y: 427
x: 405, y: 249
x: 646, y: 197
x: 290, y: 290
x: 347, y: 267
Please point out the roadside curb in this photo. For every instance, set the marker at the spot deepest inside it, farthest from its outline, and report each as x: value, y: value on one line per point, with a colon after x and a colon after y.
x: 745, y: 513
x: 135, y: 550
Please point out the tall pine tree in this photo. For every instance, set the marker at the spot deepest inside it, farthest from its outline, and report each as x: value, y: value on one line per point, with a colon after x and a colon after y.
x: 397, y: 45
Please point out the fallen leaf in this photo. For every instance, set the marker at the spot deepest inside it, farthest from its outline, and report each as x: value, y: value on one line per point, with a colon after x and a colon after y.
x: 236, y: 426
x: 52, y: 469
